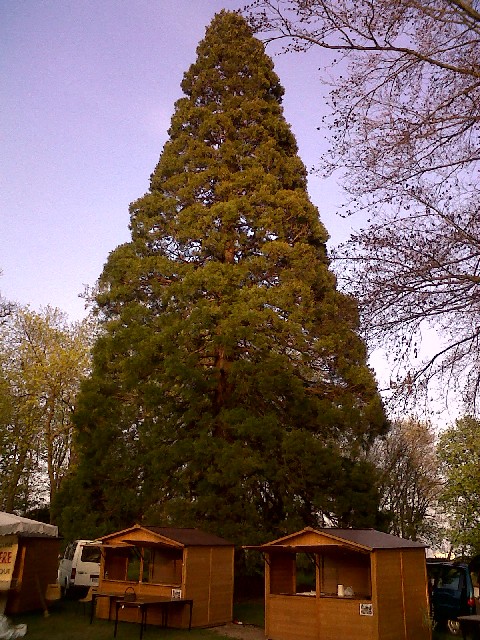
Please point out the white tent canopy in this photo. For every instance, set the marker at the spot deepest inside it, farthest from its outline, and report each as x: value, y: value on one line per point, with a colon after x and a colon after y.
x: 11, y: 524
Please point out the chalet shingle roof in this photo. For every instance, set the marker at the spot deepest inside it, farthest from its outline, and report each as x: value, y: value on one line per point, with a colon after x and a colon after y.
x: 371, y: 538
x: 366, y: 539
x: 189, y: 537
x: 178, y: 536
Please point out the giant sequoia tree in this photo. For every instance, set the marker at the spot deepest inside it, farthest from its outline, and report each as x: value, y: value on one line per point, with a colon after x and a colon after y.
x: 229, y: 388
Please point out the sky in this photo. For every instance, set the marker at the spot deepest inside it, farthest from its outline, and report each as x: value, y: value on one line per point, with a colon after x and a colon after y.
x: 88, y: 90
x: 87, y: 93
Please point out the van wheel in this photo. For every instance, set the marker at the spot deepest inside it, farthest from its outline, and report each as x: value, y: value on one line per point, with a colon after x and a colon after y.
x: 453, y: 627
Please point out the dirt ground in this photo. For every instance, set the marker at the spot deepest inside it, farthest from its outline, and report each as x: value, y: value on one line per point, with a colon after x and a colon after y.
x: 241, y: 631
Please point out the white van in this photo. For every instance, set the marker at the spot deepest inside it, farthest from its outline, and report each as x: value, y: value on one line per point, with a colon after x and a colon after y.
x: 80, y: 565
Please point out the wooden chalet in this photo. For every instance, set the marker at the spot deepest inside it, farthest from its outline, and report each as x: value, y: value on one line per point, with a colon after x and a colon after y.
x: 168, y: 562
x: 28, y: 563
x: 332, y: 583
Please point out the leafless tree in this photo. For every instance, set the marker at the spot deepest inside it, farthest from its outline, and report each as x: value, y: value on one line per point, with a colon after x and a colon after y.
x: 404, y: 132
x: 409, y: 479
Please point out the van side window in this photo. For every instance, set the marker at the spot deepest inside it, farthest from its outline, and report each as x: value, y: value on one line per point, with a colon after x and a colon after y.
x: 451, y: 579
x: 90, y: 554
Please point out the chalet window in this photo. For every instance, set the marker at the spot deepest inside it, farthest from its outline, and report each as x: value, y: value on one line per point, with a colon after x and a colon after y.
x: 296, y: 573
x: 145, y: 564
x: 141, y: 566
x: 282, y: 573
x: 116, y: 564
x: 347, y: 568
x: 134, y: 565
x: 292, y: 573
x: 306, y: 574
x: 148, y: 562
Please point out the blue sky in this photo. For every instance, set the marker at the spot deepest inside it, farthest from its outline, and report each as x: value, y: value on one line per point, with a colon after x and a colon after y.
x: 87, y: 94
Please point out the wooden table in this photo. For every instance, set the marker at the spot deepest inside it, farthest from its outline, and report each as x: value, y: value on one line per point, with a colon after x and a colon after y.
x: 143, y: 604
x: 472, y: 621
x: 103, y: 594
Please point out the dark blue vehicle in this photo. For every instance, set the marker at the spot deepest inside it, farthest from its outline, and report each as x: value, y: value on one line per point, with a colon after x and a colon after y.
x: 451, y: 593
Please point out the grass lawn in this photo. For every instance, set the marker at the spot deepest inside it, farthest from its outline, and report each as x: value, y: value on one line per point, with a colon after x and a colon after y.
x: 68, y: 622
x: 250, y: 612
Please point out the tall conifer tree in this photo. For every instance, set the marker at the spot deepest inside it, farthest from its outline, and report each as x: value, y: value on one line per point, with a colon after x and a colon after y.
x: 230, y: 388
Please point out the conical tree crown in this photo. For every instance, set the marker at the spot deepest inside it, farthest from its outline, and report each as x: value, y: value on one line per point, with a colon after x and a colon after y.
x: 229, y: 145
x: 230, y: 374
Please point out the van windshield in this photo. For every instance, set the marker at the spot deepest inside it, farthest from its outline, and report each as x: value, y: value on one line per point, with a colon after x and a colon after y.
x: 447, y: 577
x: 451, y: 579
x: 91, y: 554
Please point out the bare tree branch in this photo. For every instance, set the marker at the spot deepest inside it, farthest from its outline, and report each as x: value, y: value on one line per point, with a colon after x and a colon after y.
x: 405, y: 133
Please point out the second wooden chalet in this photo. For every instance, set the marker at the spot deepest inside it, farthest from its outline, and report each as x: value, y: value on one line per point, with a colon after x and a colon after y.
x: 168, y: 562
x: 328, y: 584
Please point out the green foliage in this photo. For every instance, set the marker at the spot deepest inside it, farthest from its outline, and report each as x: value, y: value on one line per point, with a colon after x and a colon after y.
x: 459, y: 453
x: 230, y: 389
x: 42, y: 360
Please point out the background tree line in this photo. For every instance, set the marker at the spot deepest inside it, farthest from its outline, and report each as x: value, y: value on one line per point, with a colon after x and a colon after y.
x: 428, y: 486
x: 429, y: 483
x: 42, y: 361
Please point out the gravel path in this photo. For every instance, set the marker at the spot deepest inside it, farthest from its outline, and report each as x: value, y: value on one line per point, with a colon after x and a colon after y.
x: 241, y: 631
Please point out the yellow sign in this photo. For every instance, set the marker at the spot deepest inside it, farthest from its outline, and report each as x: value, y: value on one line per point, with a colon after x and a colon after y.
x: 8, y: 555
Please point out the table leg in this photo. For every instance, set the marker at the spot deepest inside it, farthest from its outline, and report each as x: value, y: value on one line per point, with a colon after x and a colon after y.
x: 92, y: 608
x: 116, y: 621
x: 143, y: 620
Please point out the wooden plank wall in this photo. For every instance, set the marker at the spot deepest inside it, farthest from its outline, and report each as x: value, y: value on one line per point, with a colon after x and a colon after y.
x: 282, y: 573
x: 115, y: 565
x: 402, y: 595
x: 221, y: 586
x: 36, y: 567
x: 339, y: 618
x: 209, y: 582
x: 329, y: 578
x: 389, y: 601
x: 291, y: 618
x: 415, y: 594
x: 167, y: 566
x: 197, y: 580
